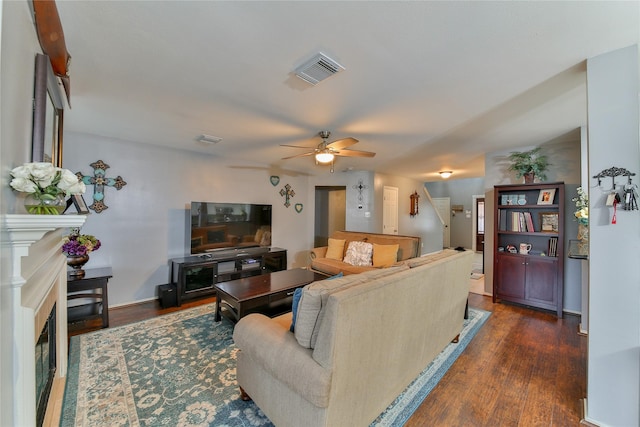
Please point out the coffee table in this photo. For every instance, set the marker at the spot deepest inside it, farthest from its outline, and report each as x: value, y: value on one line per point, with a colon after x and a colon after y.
x: 269, y: 294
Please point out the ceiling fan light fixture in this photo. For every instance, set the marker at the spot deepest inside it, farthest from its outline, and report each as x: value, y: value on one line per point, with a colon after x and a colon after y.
x: 445, y: 174
x: 324, y: 157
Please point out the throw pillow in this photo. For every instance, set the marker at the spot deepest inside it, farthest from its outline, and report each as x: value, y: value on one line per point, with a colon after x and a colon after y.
x: 297, y: 294
x: 294, y: 307
x: 266, y: 239
x: 335, y: 249
x: 385, y: 255
x: 258, y: 236
x: 359, y: 253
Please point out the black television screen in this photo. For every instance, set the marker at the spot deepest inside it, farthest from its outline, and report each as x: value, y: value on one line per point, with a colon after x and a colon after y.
x: 218, y: 226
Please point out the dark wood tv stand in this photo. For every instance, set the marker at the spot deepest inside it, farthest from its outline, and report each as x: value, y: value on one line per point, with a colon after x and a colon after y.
x: 195, y: 276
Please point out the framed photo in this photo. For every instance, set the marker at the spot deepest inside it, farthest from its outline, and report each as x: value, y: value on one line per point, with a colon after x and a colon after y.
x: 78, y: 201
x: 549, y: 222
x: 546, y: 196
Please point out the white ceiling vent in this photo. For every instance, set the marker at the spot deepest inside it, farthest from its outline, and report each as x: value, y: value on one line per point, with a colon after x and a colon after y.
x: 318, y: 68
x: 208, y: 139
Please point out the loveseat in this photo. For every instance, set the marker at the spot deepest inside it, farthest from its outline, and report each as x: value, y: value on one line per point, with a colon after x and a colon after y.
x: 358, y: 341
x: 331, y: 259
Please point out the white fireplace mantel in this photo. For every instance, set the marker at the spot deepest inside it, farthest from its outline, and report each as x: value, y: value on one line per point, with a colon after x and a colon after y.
x: 38, y: 282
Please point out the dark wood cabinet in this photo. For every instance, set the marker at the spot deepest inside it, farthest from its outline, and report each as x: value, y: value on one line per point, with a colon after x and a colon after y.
x: 531, y: 216
x: 195, y: 276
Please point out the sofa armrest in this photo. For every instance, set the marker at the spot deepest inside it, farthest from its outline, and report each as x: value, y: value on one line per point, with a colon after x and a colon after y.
x: 319, y: 252
x: 275, y: 349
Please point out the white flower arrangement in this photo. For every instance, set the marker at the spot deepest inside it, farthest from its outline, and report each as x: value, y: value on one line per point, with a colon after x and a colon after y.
x: 43, y: 181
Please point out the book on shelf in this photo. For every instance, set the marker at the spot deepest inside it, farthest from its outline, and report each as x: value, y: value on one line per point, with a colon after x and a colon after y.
x: 553, y: 246
x: 529, y: 222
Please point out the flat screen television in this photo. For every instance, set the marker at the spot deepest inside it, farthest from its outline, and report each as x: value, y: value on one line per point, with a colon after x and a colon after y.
x: 220, y: 226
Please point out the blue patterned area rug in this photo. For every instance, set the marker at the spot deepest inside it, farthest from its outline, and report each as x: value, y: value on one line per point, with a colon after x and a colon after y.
x: 179, y: 370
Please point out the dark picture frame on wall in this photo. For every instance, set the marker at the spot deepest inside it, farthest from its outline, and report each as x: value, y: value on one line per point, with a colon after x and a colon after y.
x: 48, y: 113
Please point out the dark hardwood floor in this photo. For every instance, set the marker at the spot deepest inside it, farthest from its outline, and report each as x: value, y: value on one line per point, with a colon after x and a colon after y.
x: 524, y: 368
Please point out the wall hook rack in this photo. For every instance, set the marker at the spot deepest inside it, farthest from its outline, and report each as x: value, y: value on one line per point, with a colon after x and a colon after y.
x: 613, y: 172
x: 629, y: 198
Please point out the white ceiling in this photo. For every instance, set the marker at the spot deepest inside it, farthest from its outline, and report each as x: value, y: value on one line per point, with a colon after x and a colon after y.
x: 428, y: 86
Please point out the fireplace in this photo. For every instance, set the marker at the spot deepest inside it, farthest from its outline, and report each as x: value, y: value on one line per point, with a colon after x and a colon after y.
x: 34, y: 318
x: 45, y: 365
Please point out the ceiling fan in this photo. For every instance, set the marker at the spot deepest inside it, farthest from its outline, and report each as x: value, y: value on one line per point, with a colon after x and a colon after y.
x: 326, y: 152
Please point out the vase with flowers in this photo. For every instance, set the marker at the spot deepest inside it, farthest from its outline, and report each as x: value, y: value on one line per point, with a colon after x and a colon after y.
x: 46, y: 187
x: 582, y: 216
x: 77, y: 248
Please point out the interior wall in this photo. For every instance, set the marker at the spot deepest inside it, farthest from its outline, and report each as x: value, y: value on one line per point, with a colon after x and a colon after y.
x: 147, y: 221
x: 18, y: 48
x: 425, y: 225
x: 460, y: 192
x: 613, y: 394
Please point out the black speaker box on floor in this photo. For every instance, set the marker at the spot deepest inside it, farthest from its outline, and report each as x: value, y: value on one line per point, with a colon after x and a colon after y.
x: 167, y: 294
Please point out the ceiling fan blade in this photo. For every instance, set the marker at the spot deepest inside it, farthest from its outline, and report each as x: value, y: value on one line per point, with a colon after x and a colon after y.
x: 354, y: 153
x: 299, y: 155
x: 342, y: 143
x: 296, y: 146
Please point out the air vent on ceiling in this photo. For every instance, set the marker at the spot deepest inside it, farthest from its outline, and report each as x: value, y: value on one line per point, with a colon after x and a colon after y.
x: 318, y: 68
x: 209, y: 139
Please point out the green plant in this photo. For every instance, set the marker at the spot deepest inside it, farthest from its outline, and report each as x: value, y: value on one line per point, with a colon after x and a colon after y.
x: 527, y: 162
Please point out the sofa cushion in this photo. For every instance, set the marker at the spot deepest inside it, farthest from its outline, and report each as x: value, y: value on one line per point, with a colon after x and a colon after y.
x: 333, y: 266
x: 314, y: 297
x: 427, y: 259
x: 409, y: 246
x: 335, y: 249
x: 314, y: 300
x: 359, y: 253
x: 297, y: 294
x: 384, y: 255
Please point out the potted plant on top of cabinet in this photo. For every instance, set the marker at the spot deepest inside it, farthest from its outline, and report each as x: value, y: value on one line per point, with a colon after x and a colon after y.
x: 529, y: 164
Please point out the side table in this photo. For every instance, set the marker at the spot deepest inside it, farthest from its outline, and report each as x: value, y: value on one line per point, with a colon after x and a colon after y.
x: 94, y: 279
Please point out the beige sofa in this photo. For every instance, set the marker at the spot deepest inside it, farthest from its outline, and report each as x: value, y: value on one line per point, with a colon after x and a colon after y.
x: 372, y: 334
x: 408, y: 247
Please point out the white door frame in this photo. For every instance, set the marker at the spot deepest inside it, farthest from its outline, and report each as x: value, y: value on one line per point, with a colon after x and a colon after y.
x: 474, y: 222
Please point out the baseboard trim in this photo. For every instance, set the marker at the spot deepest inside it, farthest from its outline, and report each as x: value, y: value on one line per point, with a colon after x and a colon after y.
x: 583, y: 414
x: 129, y: 304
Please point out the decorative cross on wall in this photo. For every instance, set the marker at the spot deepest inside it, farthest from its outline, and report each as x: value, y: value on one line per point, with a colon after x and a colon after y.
x: 99, y: 181
x: 287, y: 193
x: 360, y: 187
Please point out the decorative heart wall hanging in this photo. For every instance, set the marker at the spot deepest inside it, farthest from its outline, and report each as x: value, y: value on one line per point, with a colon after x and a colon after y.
x: 275, y: 180
x: 298, y: 207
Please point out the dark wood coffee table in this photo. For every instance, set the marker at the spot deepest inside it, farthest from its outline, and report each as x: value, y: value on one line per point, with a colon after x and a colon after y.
x: 269, y: 294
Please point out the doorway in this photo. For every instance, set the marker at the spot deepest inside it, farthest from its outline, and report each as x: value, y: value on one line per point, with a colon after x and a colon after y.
x: 477, y: 238
x: 390, y: 210
x: 330, y: 213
